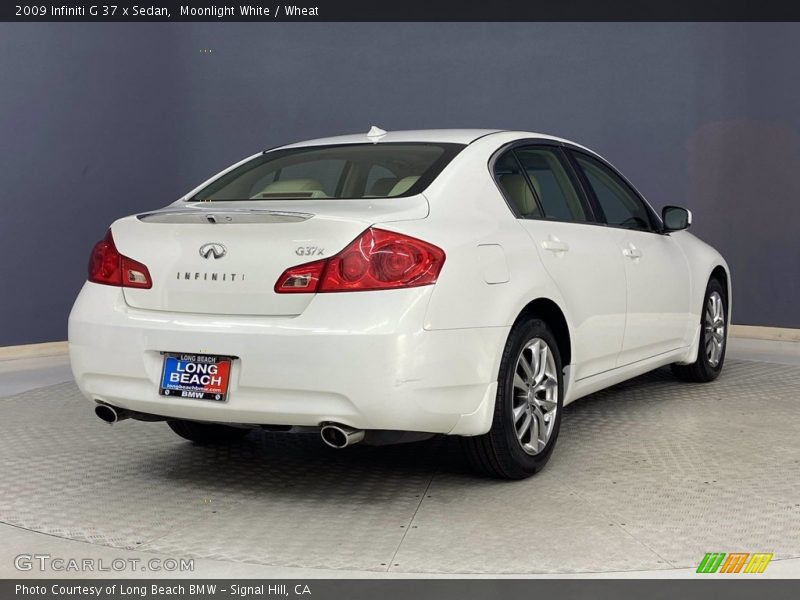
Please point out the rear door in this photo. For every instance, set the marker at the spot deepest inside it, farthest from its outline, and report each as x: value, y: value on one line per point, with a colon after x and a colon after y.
x: 658, y: 315
x: 581, y: 257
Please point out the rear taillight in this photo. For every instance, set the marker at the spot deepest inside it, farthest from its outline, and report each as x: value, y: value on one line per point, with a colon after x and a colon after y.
x: 375, y: 260
x: 109, y: 267
x: 302, y: 279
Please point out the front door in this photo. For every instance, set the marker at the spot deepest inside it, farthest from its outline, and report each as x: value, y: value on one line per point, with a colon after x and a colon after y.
x: 658, y: 301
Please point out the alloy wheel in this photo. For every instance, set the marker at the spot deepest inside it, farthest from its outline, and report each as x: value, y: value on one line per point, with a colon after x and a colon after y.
x: 535, y: 396
x: 714, y: 324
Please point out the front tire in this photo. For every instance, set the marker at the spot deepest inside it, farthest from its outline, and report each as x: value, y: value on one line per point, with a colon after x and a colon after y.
x: 207, y: 433
x: 528, y: 406
x: 713, y: 338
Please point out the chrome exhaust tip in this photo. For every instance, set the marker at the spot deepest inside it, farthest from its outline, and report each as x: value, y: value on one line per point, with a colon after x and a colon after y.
x: 340, y: 436
x: 111, y: 415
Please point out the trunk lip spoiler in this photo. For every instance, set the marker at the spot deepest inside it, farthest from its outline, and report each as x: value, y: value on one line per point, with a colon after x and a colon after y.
x: 210, y: 212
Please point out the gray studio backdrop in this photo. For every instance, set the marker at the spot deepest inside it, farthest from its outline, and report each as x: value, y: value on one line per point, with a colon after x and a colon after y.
x: 102, y: 120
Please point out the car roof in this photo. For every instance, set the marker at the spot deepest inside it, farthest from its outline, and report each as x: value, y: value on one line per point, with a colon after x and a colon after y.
x: 452, y: 136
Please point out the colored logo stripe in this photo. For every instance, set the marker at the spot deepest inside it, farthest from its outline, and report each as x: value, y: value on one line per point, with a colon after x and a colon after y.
x: 711, y: 562
x: 736, y: 562
x: 758, y: 562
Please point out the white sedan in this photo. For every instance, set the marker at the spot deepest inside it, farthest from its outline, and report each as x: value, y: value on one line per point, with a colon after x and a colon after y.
x: 384, y: 287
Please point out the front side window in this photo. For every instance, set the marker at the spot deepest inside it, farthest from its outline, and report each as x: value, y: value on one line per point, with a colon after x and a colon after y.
x: 622, y: 208
x: 350, y: 171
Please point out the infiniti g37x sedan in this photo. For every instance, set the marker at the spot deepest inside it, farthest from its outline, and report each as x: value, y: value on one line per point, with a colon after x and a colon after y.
x: 386, y: 287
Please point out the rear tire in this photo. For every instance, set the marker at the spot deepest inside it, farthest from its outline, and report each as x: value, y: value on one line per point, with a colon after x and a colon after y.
x: 713, y: 338
x: 529, y: 392
x: 207, y: 433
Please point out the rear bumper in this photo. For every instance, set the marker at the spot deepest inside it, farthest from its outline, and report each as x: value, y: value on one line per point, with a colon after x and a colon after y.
x: 361, y: 359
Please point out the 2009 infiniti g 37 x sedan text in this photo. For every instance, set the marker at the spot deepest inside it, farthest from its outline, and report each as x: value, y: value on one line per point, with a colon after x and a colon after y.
x: 389, y: 286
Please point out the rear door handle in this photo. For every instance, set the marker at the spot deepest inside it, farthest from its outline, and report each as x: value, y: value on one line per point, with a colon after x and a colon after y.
x: 555, y: 245
x: 632, y: 252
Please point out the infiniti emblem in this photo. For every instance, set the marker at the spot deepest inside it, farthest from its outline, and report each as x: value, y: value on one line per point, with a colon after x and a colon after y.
x: 213, y: 250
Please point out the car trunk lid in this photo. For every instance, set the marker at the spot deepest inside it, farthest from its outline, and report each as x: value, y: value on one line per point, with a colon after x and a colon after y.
x: 214, y: 258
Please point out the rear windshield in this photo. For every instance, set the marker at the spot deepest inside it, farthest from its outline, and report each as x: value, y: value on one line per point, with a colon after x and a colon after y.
x: 387, y: 170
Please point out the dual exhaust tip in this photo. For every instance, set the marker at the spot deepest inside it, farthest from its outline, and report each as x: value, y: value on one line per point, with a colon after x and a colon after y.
x: 340, y: 436
x: 336, y: 436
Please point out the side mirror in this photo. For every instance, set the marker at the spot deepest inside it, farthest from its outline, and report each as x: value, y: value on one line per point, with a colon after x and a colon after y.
x: 675, y: 218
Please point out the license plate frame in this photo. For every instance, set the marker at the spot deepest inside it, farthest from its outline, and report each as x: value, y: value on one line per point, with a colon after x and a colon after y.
x: 196, y: 382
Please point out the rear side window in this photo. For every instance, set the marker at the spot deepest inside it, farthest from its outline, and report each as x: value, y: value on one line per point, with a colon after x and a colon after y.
x: 352, y: 171
x: 535, y: 182
x: 620, y: 205
x: 551, y: 183
x: 511, y: 179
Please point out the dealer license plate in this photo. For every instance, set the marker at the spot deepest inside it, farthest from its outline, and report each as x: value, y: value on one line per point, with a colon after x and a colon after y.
x: 195, y: 376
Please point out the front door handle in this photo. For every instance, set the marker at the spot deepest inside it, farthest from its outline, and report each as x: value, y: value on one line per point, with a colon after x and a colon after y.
x: 555, y: 245
x: 632, y: 252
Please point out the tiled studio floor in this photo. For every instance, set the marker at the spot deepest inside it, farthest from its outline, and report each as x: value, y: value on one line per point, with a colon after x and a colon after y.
x: 647, y: 476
